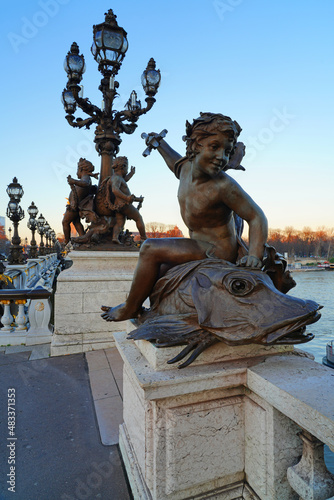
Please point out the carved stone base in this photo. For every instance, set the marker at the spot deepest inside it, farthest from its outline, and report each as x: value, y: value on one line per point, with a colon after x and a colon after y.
x: 199, y: 432
x: 94, y: 279
x: 12, y: 338
x: 236, y: 491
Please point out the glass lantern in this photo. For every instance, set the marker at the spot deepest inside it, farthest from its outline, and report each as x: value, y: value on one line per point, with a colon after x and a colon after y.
x: 69, y: 103
x: 40, y: 224
x: 74, y: 64
x: 110, y: 45
x: 151, y: 79
x: 15, y: 190
x: 32, y: 210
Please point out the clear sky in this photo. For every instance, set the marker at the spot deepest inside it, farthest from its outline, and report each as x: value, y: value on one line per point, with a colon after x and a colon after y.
x: 267, y: 64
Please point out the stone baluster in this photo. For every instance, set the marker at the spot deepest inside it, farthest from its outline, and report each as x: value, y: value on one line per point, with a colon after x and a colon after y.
x: 7, y: 318
x: 21, y: 319
x: 40, y: 329
x: 310, y: 478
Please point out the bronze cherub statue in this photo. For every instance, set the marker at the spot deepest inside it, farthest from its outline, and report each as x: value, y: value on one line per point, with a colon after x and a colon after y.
x: 213, y: 206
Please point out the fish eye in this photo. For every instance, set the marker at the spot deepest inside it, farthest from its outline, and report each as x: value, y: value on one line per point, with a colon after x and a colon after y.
x: 239, y: 286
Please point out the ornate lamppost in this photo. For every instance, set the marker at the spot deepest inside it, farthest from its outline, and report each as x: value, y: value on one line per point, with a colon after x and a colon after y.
x: 32, y: 225
x: 46, y: 234
x: 49, y: 236
x: 53, y: 237
x: 47, y: 246
x: 40, y: 230
x: 109, y: 47
x: 15, y: 214
x: 50, y: 241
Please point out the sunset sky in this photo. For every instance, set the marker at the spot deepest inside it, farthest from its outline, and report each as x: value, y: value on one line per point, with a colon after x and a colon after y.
x: 268, y: 65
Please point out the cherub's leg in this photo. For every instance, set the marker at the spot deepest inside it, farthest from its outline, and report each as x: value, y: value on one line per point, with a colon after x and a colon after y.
x: 69, y: 216
x: 133, y: 213
x: 120, y: 221
x: 78, y: 226
x: 153, y: 253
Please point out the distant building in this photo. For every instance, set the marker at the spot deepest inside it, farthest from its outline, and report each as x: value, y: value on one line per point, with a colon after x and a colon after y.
x: 3, y: 222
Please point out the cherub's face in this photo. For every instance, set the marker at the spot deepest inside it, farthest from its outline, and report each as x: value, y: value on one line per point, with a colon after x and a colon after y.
x: 214, y: 154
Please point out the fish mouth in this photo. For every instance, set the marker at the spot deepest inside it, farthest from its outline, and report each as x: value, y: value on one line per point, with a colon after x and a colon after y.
x: 292, y: 331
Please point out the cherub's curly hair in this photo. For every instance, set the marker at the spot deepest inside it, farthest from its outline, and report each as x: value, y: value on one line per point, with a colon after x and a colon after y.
x: 119, y: 161
x: 85, y: 165
x: 204, y: 126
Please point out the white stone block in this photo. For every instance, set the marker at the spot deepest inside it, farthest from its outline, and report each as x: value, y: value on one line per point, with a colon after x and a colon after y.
x: 299, y: 388
x: 94, y: 279
x: 12, y: 338
x: 68, y: 303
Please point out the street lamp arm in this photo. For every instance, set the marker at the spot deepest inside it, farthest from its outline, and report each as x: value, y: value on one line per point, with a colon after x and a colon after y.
x: 84, y: 103
x: 132, y: 115
x: 127, y: 128
x: 79, y: 122
x: 150, y: 101
x: 87, y: 106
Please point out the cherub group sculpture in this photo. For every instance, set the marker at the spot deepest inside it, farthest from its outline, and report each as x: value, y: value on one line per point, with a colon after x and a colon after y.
x: 211, y: 286
x: 106, y: 207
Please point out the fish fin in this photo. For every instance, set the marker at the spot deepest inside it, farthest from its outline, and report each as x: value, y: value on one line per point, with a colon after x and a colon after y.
x: 199, y: 349
x: 167, y: 331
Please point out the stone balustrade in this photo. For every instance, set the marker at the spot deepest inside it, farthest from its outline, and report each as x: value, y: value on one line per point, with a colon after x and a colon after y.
x: 27, y: 307
x: 302, y: 391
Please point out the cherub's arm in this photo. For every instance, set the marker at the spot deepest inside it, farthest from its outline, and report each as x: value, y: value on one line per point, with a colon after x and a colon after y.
x: 243, y: 205
x: 130, y: 174
x: 83, y: 182
x: 169, y: 155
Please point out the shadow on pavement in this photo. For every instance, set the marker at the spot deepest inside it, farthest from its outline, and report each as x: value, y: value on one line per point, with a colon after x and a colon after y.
x: 55, y: 444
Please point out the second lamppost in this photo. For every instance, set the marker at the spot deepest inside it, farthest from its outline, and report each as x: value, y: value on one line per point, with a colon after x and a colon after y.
x: 32, y: 225
x: 40, y: 230
x: 46, y: 234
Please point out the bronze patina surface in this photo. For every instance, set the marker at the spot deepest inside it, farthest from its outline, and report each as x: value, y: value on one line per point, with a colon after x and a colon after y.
x: 221, y: 287
x: 203, y: 302
x: 106, y: 224
x: 106, y: 207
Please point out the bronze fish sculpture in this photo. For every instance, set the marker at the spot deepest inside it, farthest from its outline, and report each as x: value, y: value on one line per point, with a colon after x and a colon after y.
x: 203, y: 302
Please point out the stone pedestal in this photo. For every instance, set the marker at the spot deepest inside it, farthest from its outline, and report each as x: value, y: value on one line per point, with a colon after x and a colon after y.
x: 94, y: 279
x: 199, y: 432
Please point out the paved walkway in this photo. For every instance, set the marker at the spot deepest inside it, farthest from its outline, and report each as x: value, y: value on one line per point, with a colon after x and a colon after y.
x: 67, y: 412
x: 106, y: 381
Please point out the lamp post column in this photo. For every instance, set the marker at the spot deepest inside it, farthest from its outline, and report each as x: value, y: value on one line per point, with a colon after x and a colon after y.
x: 15, y: 214
x: 32, y: 225
x: 16, y: 254
x: 40, y: 230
